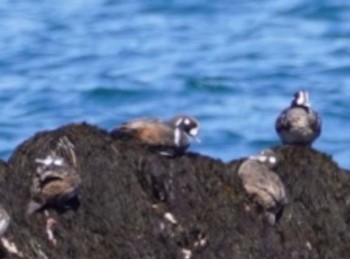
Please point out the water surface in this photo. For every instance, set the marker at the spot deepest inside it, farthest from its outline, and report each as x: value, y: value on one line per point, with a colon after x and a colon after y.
x: 232, y: 64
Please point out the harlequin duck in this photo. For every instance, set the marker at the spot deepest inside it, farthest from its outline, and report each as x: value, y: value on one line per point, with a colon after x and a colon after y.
x: 263, y: 184
x: 167, y: 137
x: 299, y: 124
x: 56, y: 179
x: 55, y: 183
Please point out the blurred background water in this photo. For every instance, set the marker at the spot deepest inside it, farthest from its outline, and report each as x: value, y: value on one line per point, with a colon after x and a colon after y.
x: 233, y: 64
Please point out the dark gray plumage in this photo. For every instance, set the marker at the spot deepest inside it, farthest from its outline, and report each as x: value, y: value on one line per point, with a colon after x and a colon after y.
x: 168, y: 138
x: 56, y: 179
x: 299, y: 124
x: 264, y: 185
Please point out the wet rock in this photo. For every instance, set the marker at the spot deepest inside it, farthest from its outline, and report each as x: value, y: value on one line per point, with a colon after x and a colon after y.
x: 136, y: 204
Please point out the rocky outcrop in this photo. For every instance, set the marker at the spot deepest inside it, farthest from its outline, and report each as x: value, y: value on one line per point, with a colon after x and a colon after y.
x: 136, y: 204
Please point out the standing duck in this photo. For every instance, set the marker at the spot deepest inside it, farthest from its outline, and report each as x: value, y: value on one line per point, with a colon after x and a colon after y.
x: 299, y: 124
x: 55, y: 183
x: 56, y: 180
x: 263, y: 184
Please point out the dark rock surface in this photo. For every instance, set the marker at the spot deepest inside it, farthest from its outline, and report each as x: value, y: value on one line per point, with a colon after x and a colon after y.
x: 137, y: 204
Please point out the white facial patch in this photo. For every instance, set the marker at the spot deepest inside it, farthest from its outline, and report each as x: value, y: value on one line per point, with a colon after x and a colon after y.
x: 46, y: 161
x: 49, y: 160
x: 187, y: 121
x: 272, y: 160
x: 303, y: 99
x: 262, y: 159
x: 300, y: 98
x: 58, y: 162
x: 194, y: 132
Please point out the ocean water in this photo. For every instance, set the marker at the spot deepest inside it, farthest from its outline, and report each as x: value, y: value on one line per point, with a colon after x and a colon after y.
x: 233, y: 64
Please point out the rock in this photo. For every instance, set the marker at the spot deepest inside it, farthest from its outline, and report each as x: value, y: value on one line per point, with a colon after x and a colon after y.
x: 137, y: 204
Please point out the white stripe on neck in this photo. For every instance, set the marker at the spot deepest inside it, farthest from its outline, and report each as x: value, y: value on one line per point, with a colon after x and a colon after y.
x: 177, y: 136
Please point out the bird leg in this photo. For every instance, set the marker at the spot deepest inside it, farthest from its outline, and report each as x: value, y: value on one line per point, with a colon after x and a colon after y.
x: 50, y: 224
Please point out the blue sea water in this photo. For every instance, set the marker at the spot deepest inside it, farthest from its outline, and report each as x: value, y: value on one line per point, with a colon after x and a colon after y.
x: 233, y: 64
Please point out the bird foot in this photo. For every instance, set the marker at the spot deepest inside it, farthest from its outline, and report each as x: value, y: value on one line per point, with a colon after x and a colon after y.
x: 50, y: 224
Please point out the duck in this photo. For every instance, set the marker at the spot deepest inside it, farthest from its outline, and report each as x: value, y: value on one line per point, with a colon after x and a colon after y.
x: 55, y: 183
x: 56, y: 179
x: 299, y: 124
x: 169, y: 138
x: 263, y: 184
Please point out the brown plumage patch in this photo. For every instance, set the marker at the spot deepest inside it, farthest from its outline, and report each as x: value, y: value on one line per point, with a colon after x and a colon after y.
x: 151, y: 135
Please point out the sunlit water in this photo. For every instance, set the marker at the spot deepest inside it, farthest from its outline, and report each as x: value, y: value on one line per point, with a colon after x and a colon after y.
x: 232, y: 64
